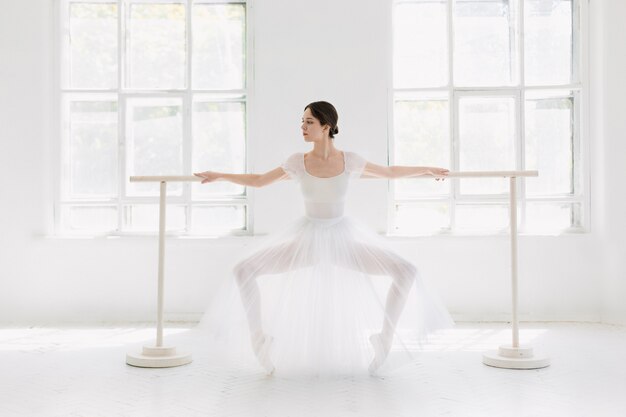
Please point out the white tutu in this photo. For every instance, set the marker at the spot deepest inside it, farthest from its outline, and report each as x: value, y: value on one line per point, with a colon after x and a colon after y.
x: 321, y: 287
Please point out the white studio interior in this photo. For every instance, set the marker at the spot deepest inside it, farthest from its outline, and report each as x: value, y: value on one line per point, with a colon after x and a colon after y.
x: 96, y: 92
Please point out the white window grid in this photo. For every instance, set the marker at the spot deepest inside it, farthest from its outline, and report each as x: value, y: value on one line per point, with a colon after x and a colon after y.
x: 123, y: 94
x: 579, y: 91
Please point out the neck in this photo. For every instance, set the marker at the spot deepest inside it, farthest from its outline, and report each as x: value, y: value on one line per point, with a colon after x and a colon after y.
x: 324, y: 149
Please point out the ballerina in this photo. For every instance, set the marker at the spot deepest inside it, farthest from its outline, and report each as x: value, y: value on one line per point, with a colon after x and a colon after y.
x: 325, y: 295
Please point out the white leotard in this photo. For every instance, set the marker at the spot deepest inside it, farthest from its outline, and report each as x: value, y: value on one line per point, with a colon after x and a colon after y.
x: 324, y: 198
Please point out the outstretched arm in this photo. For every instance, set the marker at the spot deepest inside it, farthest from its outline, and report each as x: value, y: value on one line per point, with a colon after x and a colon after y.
x: 250, y: 180
x: 398, y: 171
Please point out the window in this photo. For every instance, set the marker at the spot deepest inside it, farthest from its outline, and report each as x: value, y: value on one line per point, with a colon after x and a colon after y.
x: 151, y: 87
x: 471, y: 94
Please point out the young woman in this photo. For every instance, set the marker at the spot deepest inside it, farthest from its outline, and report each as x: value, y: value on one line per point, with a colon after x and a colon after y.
x: 323, y: 311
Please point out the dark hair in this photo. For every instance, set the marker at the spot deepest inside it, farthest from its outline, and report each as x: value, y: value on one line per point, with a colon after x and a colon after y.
x: 326, y: 114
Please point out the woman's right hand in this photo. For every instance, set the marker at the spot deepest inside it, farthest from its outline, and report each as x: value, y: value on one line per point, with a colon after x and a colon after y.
x: 208, y: 176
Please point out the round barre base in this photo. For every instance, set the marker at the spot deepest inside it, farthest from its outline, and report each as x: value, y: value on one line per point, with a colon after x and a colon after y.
x: 515, y: 358
x: 158, y: 357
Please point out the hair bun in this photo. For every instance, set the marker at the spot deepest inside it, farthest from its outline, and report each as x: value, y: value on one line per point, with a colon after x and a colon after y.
x: 336, y: 130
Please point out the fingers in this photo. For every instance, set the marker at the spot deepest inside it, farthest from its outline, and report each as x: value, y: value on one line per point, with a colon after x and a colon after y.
x: 204, y: 179
x: 439, y: 173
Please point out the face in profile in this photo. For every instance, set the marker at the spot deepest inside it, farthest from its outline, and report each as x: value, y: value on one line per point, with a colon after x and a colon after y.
x: 312, y: 130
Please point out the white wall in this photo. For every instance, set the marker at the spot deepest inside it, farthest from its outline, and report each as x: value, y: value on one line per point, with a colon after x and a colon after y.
x: 335, y: 51
x: 610, y: 125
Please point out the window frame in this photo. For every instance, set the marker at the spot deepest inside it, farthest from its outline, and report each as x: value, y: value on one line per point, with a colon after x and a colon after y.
x: 580, y: 111
x: 61, y: 93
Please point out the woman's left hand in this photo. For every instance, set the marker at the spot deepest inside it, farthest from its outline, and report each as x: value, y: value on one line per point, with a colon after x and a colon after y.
x: 438, y: 173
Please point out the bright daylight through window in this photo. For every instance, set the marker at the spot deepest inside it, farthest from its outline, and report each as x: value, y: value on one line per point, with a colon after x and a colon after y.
x: 472, y: 94
x: 151, y: 88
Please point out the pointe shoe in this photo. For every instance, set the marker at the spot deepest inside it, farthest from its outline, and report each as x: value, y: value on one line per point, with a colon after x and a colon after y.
x: 261, y: 347
x: 381, y: 350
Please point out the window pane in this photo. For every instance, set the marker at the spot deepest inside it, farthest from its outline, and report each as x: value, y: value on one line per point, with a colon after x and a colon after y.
x: 154, y: 143
x: 487, y: 142
x: 420, y: 42
x: 551, y: 217
x: 93, y: 45
x: 549, y: 145
x: 157, y: 46
x: 482, y: 217
x: 90, y: 167
x: 548, y: 41
x: 484, y: 42
x: 218, y: 145
x: 145, y: 218
x: 219, y: 46
x: 217, y: 220
x: 422, y: 217
x: 422, y: 139
x: 88, y: 218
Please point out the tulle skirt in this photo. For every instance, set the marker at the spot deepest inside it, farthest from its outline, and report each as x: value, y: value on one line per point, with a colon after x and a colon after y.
x: 318, y: 289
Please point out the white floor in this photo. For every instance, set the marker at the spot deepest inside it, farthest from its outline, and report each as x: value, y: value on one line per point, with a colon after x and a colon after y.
x: 47, y: 371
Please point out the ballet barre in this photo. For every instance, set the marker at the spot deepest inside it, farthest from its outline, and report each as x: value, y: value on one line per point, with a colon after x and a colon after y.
x: 495, y: 174
x: 511, y: 356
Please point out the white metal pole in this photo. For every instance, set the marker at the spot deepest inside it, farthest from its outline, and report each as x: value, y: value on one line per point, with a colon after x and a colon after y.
x: 513, y: 207
x: 162, y: 194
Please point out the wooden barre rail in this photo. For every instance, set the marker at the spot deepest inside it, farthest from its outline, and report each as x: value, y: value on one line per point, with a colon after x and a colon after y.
x: 457, y: 174
x: 508, y: 356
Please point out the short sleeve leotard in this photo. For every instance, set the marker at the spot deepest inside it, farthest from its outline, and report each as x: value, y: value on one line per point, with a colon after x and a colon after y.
x: 324, y: 197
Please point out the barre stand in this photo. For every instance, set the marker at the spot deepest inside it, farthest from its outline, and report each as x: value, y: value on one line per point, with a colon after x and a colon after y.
x: 158, y: 355
x: 511, y: 356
